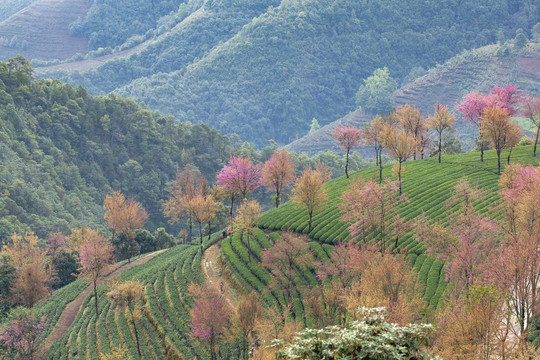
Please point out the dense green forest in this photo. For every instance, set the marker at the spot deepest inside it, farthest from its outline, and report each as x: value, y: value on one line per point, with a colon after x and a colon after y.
x: 174, y: 51
x: 110, y: 22
x: 298, y: 60
x: 63, y: 150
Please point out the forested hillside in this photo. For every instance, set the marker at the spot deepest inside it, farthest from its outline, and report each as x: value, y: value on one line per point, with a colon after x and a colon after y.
x: 265, y: 70
x: 109, y: 23
x: 475, y: 70
x: 63, y: 150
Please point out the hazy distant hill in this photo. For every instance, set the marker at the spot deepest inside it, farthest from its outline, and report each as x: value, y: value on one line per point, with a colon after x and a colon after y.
x: 264, y: 69
x: 477, y: 70
x: 40, y: 30
x: 10, y: 7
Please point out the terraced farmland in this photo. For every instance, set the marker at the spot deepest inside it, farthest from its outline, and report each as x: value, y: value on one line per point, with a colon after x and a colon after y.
x: 164, y: 327
x: 427, y: 184
x: 250, y: 275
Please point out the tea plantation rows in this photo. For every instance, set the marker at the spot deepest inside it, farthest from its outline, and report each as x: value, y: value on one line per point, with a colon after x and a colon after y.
x: 427, y: 184
x: 165, y: 324
x: 250, y: 275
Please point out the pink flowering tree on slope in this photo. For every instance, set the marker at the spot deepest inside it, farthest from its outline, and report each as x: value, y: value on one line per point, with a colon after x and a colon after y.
x: 209, y: 316
x: 466, y: 243
x: 95, y: 255
x: 531, y: 111
x: 518, y: 261
x: 20, y: 337
x: 278, y: 173
x: 473, y: 106
x: 368, y: 206
x: 240, y: 177
x: 348, y: 137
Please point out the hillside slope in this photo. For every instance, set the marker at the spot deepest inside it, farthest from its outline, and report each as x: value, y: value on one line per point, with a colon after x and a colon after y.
x: 165, y: 323
x: 93, y: 63
x: 63, y: 150
x: 10, y: 7
x: 40, y: 30
x: 476, y: 70
x: 264, y: 70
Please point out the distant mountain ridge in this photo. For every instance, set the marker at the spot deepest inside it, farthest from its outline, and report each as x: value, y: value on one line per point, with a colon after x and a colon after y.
x: 476, y: 70
x: 265, y: 69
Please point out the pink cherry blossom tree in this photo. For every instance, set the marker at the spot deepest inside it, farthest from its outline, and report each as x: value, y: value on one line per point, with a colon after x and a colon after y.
x: 348, y: 137
x: 473, y: 106
x: 209, y: 316
x: 368, y: 206
x: 240, y: 176
x: 278, y: 173
x: 508, y: 97
x: 20, y: 336
x: 518, y: 261
x: 466, y: 243
x: 95, y: 254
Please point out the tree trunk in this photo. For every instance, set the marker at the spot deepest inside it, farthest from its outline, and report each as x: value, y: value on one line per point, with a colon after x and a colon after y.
x: 536, y: 140
x: 136, y: 333
x: 129, y: 251
x: 481, y: 150
x: 232, y: 205
x: 310, y: 216
x: 277, y: 198
x: 380, y: 167
x: 440, y: 146
x: 347, y: 164
x: 399, y: 177
x: 209, y: 229
x: 95, y: 298
x: 190, y: 230
x: 509, y: 155
x: 498, y: 162
x: 200, y: 231
x: 212, y: 343
x: 376, y: 157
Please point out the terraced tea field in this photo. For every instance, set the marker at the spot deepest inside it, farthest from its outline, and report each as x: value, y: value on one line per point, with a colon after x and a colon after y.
x: 164, y: 327
x: 427, y: 184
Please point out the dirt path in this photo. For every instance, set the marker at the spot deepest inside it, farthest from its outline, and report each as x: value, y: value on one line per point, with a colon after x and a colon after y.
x: 213, y: 275
x: 72, y: 309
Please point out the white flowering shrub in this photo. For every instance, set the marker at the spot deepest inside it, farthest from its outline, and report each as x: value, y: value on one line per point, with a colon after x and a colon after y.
x: 370, y: 338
